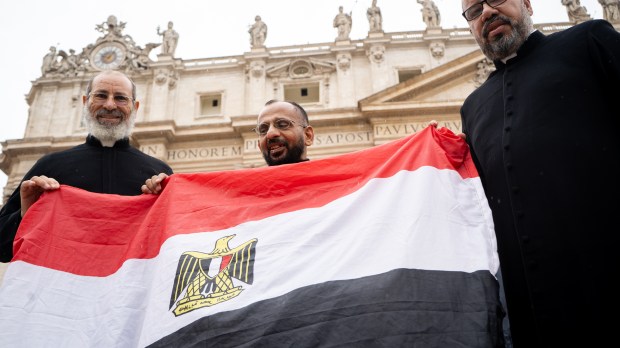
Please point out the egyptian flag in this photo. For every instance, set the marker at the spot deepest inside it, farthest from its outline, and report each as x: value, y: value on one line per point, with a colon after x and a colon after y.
x: 392, y: 246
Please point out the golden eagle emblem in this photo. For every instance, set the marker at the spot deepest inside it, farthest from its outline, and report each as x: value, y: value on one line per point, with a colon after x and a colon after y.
x: 206, y: 279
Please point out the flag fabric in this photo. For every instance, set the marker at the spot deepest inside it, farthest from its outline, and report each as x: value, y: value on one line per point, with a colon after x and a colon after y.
x: 390, y: 246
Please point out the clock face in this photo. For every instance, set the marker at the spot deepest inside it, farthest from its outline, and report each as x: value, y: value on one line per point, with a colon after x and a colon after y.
x: 108, y: 56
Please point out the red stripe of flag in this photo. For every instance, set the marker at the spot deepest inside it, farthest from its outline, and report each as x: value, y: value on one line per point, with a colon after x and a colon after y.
x: 94, y: 234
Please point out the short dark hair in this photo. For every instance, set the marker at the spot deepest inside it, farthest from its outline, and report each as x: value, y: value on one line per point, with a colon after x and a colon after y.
x: 89, y: 86
x: 301, y: 110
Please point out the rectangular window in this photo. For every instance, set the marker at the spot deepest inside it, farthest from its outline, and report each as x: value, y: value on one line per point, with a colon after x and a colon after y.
x: 406, y: 74
x: 210, y: 105
x: 303, y: 94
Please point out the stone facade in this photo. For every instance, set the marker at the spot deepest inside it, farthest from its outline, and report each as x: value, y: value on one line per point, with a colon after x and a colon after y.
x: 197, y: 114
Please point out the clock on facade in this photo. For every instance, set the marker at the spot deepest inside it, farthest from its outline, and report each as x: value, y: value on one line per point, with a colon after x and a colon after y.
x: 108, y: 56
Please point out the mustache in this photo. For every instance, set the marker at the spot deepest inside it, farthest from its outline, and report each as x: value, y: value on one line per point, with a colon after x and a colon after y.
x: 488, y: 22
x: 275, y: 141
x: 104, y: 112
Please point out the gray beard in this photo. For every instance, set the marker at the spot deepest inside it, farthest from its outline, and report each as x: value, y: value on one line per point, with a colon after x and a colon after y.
x: 107, y: 133
x: 507, y: 45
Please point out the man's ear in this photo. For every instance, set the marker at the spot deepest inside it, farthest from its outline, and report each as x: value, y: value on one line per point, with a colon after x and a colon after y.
x: 136, y: 105
x: 309, y: 135
x: 528, y: 6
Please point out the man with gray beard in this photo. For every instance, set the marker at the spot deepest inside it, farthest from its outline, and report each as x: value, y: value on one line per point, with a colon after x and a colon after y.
x: 542, y: 131
x: 105, y: 163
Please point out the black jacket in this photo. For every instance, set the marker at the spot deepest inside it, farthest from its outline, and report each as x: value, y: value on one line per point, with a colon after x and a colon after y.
x: 543, y: 131
x: 120, y: 170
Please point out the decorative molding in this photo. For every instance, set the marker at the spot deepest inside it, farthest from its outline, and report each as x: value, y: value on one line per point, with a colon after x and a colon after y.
x: 483, y: 69
x: 301, y: 68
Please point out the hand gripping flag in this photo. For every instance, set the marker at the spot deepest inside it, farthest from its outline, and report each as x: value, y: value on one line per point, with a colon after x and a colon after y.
x: 390, y: 246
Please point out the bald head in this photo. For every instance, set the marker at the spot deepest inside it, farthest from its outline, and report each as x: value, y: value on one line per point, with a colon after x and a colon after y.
x: 111, y: 73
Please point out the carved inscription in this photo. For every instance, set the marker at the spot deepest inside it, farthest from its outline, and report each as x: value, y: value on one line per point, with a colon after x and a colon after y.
x: 397, y: 130
x: 251, y: 145
x: 342, y: 138
x: 155, y: 150
x: 210, y: 152
x: 324, y: 139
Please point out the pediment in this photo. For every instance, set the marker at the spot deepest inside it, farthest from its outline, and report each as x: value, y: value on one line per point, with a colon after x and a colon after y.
x: 439, y: 90
x: 301, y: 68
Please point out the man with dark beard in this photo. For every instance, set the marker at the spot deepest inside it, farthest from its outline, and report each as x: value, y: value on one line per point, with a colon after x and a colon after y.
x: 105, y: 163
x: 284, y: 134
x: 543, y: 134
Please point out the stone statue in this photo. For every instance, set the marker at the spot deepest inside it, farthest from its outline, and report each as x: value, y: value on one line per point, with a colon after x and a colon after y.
x: 49, y: 61
x: 69, y: 62
x: 576, y: 12
x: 140, y: 58
x: 258, y: 33
x: 343, y: 22
x: 170, y: 38
x: 430, y: 13
x: 374, y: 17
x: 111, y: 28
x: 611, y: 10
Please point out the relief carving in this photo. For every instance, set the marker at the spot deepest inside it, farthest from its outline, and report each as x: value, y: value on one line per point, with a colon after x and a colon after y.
x: 376, y: 54
x: 344, y: 61
x: 483, y: 69
x: 256, y: 69
x: 437, y: 49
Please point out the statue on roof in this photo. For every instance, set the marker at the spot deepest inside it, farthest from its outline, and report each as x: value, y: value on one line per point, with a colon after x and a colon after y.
x: 170, y: 38
x: 430, y: 13
x: 611, y: 10
x: 258, y: 33
x: 113, y: 31
x: 374, y: 17
x: 49, y: 61
x: 111, y: 27
x: 576, y: 12
x: 343, y: 22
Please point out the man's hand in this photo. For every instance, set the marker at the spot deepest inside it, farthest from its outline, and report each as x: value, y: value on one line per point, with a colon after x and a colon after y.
x: 153, y: 185
x: 31, y: 190
x: 433, y: 123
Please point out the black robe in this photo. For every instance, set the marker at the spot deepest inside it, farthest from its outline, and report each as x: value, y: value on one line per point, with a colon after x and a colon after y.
x: 120, y: 170
x: 543, y: 130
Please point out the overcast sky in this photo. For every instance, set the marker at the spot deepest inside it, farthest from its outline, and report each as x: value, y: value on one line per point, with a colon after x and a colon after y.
x: 207, y: 28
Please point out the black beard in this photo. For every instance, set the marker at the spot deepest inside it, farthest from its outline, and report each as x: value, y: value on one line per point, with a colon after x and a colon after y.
x: 293, y: 154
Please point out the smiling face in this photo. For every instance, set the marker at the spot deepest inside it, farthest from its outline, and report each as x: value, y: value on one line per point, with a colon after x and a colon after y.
x: 501, y: 31
x: 109, y: 109
x: 279, y: 145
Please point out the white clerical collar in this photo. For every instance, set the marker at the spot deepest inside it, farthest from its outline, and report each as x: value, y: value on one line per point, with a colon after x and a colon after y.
x: 504, y: 60
x: 107, y: 143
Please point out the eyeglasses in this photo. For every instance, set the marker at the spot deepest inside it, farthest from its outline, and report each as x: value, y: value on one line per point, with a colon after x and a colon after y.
x: 280, y: 123
x: 119, y: 99
x: 474, y: 11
